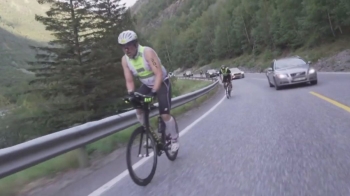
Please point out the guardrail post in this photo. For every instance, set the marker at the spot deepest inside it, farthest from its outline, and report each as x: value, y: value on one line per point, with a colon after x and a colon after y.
x: 83, y: 157
x: 196, y: 102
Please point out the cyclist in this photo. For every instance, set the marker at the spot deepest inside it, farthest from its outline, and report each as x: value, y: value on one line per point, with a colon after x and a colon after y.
x: 144, y: 63
x: 226, y: 76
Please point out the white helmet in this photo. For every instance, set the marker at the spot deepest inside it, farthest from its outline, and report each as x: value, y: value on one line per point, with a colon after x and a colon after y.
x: 126, y: 37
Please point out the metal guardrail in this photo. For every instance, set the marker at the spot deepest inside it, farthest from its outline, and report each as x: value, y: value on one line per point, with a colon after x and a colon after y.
x: 27, y: 154
x: 198, y: 78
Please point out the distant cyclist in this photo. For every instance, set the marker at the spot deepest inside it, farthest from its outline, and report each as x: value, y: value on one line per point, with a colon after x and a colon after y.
x: 144, y: 63
x: 226, y: 76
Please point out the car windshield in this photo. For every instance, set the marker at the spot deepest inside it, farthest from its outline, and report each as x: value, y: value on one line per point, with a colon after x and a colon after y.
x: 235, y: 70
x: 211, y: 70
x: 286, y: 63
x: 188, y: 72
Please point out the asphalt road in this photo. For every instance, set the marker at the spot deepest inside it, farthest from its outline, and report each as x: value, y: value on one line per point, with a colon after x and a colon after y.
x: 259, y: 142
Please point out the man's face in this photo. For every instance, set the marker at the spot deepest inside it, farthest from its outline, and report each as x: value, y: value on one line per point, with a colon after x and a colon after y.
x: 129, y: 49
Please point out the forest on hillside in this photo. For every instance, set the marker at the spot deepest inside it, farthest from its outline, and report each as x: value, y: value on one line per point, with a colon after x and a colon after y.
x: 202, y: 31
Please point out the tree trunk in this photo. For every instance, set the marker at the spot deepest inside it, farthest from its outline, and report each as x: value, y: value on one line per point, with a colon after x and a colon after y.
x: 78, y: 53
x: 246, y: 31
x: 330, y: 23
x: 167, y: 51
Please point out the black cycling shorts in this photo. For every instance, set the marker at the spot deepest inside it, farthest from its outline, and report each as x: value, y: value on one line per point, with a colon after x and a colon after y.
x: 226, y: 78
x: 163, y: 95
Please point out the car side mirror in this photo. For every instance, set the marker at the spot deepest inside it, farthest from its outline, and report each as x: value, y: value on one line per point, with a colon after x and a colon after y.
x: 309, y: 62
x: 269, y: 69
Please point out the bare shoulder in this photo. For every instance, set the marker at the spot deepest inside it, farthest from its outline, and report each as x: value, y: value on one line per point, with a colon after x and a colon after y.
x: 150, y: 52
x: 123, y: 60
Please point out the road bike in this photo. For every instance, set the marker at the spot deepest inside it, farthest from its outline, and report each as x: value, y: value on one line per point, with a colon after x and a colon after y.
x: 227, y: 90
x: 159, y: 144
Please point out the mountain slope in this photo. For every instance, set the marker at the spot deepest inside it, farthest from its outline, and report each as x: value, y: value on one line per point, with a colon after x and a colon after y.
x: 18, y: 29
x: 18, y: 17
x: 14, y: 51
x: 189, y: 33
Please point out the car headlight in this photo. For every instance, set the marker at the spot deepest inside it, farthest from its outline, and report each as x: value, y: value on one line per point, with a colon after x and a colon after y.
x: 281, y: 75
x: 311, y: 71
x: 242, y: 72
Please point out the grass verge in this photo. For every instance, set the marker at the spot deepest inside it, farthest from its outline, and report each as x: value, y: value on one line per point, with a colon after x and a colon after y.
x: 9, y: 185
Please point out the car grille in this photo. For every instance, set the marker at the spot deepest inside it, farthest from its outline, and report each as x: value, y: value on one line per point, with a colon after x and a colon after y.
x: 237, y: 74
x: 298, y: 74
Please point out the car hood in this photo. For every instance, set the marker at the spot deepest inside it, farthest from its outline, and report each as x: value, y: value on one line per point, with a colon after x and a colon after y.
x: 293, y: 70
x: 235, y: 72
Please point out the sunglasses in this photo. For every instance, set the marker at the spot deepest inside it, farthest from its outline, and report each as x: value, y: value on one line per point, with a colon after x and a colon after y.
x: 126, y: 46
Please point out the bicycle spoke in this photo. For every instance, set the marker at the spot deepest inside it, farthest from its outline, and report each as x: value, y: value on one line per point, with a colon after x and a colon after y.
x: 147, y: 144
x: 140, y: 146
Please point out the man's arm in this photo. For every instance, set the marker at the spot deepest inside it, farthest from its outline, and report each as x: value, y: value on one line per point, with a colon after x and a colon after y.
x: 153, y: 60
x: 220, y: 75
x: 229, y: 72
x: 128, y: 76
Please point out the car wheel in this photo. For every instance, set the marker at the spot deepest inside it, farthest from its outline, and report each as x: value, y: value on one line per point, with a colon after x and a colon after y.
x: 314, y: 82
x: 276, y: 86
x: 269, y: 82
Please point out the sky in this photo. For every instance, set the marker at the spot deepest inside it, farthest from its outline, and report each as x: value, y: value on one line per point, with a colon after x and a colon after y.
x: 128, y: 2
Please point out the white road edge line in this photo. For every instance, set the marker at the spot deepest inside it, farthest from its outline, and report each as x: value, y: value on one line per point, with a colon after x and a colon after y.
x: 118, y: 178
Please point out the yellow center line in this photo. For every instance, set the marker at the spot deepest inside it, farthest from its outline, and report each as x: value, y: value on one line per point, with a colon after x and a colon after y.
x: 345, y: 107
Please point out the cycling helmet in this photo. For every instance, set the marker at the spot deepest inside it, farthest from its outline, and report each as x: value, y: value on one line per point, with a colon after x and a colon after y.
x: 223, y: 66
x: 126, y: 37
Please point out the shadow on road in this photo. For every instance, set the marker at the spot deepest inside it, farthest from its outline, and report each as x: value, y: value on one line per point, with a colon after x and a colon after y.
x: 295, y: 86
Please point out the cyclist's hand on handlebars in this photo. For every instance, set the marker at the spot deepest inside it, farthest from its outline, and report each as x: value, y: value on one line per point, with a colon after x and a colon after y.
x: 131, y: 94
x: 128, y: 98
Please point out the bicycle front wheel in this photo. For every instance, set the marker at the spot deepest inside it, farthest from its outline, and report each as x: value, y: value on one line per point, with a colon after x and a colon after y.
x: 138, y: 136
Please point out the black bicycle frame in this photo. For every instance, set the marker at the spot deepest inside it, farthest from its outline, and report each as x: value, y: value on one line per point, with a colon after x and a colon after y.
x: 146, y: 109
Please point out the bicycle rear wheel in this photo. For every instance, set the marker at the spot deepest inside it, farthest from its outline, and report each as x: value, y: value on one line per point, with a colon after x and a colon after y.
x: 227, y: 94
x: 143, y: 135
x: 167, y: 141
x: 230, y: 91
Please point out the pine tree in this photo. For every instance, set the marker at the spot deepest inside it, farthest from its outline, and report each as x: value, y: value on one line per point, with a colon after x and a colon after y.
x: 110, y: 19
x: 62, y: 75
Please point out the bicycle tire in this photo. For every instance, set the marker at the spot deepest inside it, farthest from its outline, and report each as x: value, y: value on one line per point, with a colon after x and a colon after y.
x: 226, y: 90
x: 229, y: 92
x: 170, y: 156
x: 134, y: 177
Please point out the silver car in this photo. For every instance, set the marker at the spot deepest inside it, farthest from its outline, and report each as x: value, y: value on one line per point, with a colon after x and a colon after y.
x: 188, y: 74
x: 210, y: 73
x: 289, y: 71
x: 236, y: 73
